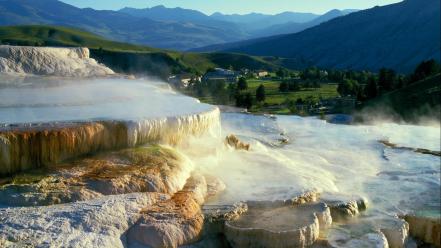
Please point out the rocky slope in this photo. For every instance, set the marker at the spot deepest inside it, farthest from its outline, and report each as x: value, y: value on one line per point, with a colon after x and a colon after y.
x: 397, y: 36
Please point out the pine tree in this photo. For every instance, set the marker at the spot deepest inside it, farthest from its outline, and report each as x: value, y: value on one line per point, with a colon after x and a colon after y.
x: 371, y: 89
x: 283, y: 86
x: 386, y: 79
x: 242, y: 84
x: 260, y: 93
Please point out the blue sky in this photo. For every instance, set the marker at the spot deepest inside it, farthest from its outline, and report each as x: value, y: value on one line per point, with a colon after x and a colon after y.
x: 237, y: 6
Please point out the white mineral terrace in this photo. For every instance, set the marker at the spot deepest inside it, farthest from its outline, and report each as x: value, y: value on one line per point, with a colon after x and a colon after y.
x: 46, y: 121
x: 94, y: 99
x: 64, y: 62
x: 105, y: 190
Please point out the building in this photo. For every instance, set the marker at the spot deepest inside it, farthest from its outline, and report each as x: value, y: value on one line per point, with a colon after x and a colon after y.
x: 261, y: 73
x: 183, y: 80
x: 228, y: 76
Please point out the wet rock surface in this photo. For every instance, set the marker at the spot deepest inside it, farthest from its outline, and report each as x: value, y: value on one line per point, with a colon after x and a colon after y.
x: 37, y: 146
x: 234, y: 142
x: 99, y: 222
x: 267, y: 225
x: 340, y: 238
x: 24, y: 148
x: 145, y: 169
x: 396, y: 232
x: 344, y: 207
x: 425, y: 229
x: 168, y: 219
x: 417, y: 150
x: 174, y: 222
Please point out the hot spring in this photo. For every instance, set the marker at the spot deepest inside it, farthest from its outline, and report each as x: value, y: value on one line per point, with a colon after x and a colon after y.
x: 159, y: 162
x: 42, y: 100
x: 329, y: 158
x: 289, y: 155
x: 45, y: 121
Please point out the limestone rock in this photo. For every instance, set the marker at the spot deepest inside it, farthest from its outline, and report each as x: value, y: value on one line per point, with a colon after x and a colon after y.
x: 214, y: 185
x: 216, y: 215
x: 234, y: 142
x: 64, y: 62
x: 99, y: 222
x: 278, y: 226
x: 343, y: 206
x: 396, y: 232
x: 353, y: 232
x: 50, y: 190
x: 345, y: 239
x: 374, y: 240
x: 417, y: 150
x: 26, y: 147
x: 425, y: 228
x: 143, y: 169
x: 178, y: 221
x: 307, y: 197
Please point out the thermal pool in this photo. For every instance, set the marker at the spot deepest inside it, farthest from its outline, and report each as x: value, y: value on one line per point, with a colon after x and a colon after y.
x: 113, y: 162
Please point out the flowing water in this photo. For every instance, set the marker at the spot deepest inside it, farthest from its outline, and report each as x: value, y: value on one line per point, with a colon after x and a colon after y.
x: 347, y: 159
x: 289, y: 155
x: 314, y: 154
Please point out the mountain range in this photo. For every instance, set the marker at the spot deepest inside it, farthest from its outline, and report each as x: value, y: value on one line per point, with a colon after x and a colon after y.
x: 171, y: 28
x: 397, y: 36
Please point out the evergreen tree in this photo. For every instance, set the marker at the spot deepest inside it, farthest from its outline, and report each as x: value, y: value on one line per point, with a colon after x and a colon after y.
x: 283, y: 86
x: 242, y: 84
x: 248, y: 100
x: 348, y: 87
x: 232, y: 90
x: 260, y: 93
x: 282, y: 73
x: 244, y: 100
x: 371, y: 89
x: 293, y: 86
x: 316, y: 85
x: 425, y: 69
x: 386, y: 80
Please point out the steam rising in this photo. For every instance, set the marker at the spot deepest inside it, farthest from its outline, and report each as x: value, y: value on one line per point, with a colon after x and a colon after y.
x: 328, y: 158
x: 94, y: 99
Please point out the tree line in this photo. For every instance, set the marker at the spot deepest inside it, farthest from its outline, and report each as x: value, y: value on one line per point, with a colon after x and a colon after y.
x: 366, y: 85
x: 228, y: 93
x: 363, y: 85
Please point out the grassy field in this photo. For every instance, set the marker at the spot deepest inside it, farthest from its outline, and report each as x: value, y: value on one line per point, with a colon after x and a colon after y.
x: 275, y: 100
x: 274, y: 96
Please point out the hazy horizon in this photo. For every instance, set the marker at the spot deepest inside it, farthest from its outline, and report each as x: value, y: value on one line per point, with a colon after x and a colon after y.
x: 233, y: 7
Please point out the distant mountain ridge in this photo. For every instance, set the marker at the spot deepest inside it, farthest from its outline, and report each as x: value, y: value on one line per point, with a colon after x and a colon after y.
x: 397, y: 36
x: 257, y: 21
x: 116, y: 25
x: 253, y: 24
x: 295, y: 27
x: 171, y: 28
